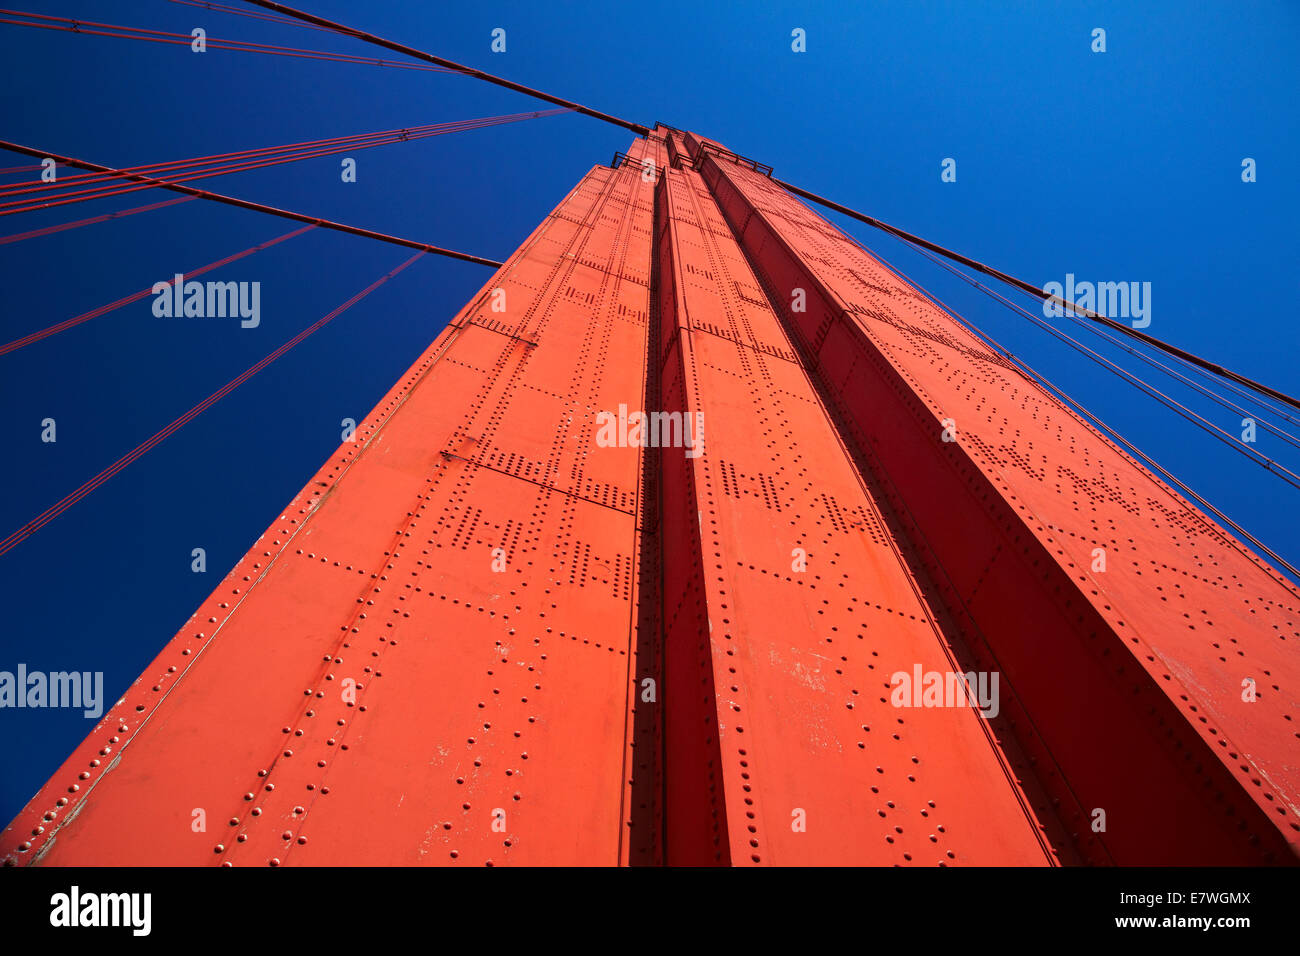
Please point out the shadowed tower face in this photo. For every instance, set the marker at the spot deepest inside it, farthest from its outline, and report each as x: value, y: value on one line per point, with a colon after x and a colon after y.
x: 699, y: 536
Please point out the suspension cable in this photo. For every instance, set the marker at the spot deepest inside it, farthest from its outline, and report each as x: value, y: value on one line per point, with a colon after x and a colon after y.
x: 256, y: 207
x: 1039, y: 293
x: 49, y: 230
x: 448, y: 64
x: 255, y: 159
x: 290, y: 150
x: 1261, y: 400
x: 1098, y: 423
x: 66, y: 502
x: 1179, y: 376
x: 92, y: 28
x: 137, y: 296
x: 1281, y: 471
x: 253, y: 14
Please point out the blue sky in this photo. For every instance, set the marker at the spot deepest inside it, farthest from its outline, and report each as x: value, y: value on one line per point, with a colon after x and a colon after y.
x: 1122, y: 166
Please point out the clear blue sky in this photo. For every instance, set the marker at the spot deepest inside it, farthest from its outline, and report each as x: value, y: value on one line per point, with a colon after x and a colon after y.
x: 1116, y: 166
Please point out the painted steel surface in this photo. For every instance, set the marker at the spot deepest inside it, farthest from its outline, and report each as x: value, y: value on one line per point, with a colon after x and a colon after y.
x: 792, y: 608
x: 428, y: 657
x: 1131, y: 687
x: 485, y: 633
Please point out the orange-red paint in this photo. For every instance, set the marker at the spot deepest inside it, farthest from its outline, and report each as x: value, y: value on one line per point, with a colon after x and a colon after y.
x: 480, y: 635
